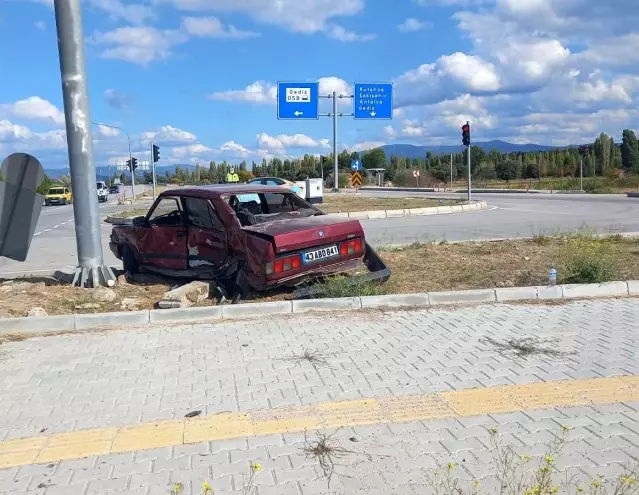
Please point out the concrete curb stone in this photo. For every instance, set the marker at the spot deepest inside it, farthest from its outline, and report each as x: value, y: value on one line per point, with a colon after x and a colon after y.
x: 376, y: 214
x: 61, y: 323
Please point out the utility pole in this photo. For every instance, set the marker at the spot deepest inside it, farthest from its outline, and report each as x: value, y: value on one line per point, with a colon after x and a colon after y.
x: 469, y: 176
x: 335, y: 160
x: 581, y: 174
x: 451, y: 172
x: 153, y: 167
x: 130, y: 155
x: 91, y: 271
x: 466, y: 142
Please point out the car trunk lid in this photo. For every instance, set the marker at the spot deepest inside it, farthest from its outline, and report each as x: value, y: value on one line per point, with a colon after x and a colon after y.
x: 301, y: 233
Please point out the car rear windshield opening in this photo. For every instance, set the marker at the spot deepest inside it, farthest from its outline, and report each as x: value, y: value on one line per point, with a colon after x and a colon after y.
x: 56, y: 191
x: 255, y: 208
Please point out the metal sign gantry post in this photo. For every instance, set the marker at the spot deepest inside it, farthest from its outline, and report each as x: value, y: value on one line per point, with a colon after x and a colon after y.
x: 91, y: 270
x: 300, y: 101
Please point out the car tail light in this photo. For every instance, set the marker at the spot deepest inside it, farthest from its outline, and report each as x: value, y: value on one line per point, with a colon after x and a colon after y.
x: 282, y: 265
x: 350, y: 247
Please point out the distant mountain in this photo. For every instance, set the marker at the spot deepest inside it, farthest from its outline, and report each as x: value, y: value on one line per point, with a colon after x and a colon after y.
x: 413, y: 151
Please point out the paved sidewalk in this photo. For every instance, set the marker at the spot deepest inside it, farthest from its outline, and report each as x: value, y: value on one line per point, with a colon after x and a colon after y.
x: 135, y: 377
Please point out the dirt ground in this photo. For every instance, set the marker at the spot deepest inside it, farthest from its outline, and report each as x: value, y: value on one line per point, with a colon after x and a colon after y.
x: 418, y: 268
x: 334, y: 203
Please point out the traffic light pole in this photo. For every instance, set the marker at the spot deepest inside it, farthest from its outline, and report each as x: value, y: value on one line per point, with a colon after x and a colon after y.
x: 581, y: 174
x: 153, y: 169
x: 91, y: 270
x: 470, y: 196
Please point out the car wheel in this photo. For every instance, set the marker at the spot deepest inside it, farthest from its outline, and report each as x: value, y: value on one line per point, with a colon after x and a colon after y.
x: 129, y: 263
x: 64, y: 201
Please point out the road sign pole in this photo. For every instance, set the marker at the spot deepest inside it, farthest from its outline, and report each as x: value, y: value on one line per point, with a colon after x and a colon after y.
x: 153, y: 169
x: 451, y: 172
x: 335, y: 160
x: 469, y: 175
x: 91, y: 271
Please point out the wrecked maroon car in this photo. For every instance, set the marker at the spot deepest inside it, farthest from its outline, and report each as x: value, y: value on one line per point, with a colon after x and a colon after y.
x: 243, y: 237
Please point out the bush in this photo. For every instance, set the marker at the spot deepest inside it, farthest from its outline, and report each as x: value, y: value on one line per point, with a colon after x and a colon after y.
x: 343, y: 181
x: 588, y: 260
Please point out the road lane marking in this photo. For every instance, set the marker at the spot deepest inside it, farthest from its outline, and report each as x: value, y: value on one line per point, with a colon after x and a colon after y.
x: 295, y: 419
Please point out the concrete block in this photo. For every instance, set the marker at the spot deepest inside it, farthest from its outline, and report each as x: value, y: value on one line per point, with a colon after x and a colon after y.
x: 84, y: 322
x: 441, y: 210
x: 256, y: 309
x: 482, y: 205
x: 546, y: 292
x: 457, y: 208
x: 416, y: 212
x: 633, y: 288
x: 37, y: 324
x: 462, y: 296
x: 186, y: 314
x: 516, y: 294
x: 358, y: 215
x: 595, y: 290
x: 395, y: 301
x: 468, y: 207
x: 328, y: 304
x: 396, y: 213
x: 376, y: 214
x: 186, y: 295
x: 339, y: 215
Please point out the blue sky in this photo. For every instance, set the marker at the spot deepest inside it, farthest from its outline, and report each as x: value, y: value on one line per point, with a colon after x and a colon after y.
x: 198, y: 76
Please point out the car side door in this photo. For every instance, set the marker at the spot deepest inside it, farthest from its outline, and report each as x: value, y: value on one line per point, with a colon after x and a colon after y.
x: 207, y: 238
x: 163, y: 238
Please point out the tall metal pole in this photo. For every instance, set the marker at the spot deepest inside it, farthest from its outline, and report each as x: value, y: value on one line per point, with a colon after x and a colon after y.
x: 153, y: 169
x: 451, y: 172
x: 581, y: 174
x: 130, y: 155
x: 91, y: 271
x: 469, y: 185
x: 335, y: 161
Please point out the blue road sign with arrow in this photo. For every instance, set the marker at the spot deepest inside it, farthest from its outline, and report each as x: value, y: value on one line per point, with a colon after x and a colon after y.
x: 373, y: 101
x: 356, y: 165
x: 297, y: 100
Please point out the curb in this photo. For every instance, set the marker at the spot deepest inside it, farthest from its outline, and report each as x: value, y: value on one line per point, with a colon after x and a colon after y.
x: 55, y: 324
x: 412, y: 212
x: 373, y: 214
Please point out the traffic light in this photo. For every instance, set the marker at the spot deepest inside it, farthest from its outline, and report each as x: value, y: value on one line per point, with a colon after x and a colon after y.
x: 466, y: 134
x: 156, y: 153
x: 322, y: 159
x: 583, y: 151
x: 133, y: 164
x: 128, y: 164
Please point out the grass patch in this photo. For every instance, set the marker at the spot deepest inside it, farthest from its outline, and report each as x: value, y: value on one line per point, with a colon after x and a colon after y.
x: 314, y: 358
x: 334, y: 203
x: 135, y: 212
x: 345, y: 287
x: 526, y: 347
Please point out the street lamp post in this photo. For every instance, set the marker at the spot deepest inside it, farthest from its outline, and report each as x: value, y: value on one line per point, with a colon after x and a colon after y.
x: 130, y: 155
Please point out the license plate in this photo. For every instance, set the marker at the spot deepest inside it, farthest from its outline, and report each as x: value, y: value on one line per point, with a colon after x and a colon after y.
x: 320, y: 254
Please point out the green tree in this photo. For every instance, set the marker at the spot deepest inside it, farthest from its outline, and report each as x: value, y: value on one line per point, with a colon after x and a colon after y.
x: 630, y: 151
x: 602, y: 153
x: 344, y: 160
x: 508, y: 170
x: 44, y: 186
x: 374, y: 159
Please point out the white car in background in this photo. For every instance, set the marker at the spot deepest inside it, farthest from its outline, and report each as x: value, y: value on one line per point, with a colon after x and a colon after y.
x: 276, y: 181
x: 103, y: 191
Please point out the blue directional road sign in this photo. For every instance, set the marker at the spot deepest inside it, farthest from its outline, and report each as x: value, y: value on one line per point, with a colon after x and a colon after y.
x: 373, y: 101
x: 297, y: 100
x: 356, y: 165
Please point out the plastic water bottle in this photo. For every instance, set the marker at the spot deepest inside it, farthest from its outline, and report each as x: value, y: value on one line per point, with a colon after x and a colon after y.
x: 552, y: 276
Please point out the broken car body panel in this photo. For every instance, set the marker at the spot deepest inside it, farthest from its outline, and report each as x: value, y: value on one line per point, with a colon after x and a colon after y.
x: 263, y: 236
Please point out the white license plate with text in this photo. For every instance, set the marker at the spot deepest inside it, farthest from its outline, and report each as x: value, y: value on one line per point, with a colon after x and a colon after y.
x: 320, y: 254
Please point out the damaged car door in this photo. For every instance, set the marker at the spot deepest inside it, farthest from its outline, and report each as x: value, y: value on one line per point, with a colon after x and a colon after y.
x: 162, y: 239
x: 207, y: 237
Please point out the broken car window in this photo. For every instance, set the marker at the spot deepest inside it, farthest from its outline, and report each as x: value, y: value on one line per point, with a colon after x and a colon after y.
x: 252, y: 209
x: 166, y: 213
x: 201, y: 214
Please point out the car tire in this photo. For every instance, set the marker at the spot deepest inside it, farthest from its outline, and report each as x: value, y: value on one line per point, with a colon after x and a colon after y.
x: 129, y: 263
x: 64, y: 201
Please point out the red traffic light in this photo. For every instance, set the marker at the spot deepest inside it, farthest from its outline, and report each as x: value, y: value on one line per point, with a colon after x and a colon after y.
x: 465, y: 128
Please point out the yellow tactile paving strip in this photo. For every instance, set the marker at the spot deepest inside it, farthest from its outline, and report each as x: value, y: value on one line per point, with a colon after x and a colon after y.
x: 463, y: 403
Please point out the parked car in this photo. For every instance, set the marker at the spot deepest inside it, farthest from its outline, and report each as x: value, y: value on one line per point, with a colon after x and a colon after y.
x: 58, y: 196
x: 245, y: 236
x: 114, y: 190
x: 103, y: 191
x: 276, y: 181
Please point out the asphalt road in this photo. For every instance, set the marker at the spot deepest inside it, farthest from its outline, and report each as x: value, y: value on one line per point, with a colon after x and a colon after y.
x: 510, y: 215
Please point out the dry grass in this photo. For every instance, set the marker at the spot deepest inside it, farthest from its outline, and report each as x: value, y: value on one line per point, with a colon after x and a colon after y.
x: 349, y: 202
x: 424, y: 268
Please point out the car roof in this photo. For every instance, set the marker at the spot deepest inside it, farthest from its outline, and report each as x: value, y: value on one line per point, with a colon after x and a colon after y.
x: 217, y: 190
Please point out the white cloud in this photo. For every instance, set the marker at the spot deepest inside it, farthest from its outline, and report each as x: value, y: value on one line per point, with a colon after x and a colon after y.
x: 257, y: 92
x: 108, y: 131
x: 303, y: 16
x: 284, y: 141
x: 169, y: 136
x: 117, y: 10
x: 389, y: 131
x: 341, y: 34
x: 34, y: 108
x: 116, y: 99
x: 10, y: 132
x: 365, y: 145
x: 211, y: 27
x: 190, y: 150
x: 411, y: 25
x: 139, y: 45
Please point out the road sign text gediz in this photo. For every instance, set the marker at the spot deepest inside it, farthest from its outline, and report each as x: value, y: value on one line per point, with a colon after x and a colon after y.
x: 373, y: 101
x: 297, y: 100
